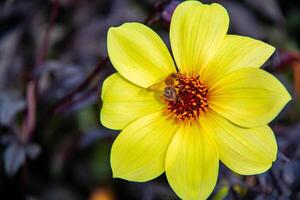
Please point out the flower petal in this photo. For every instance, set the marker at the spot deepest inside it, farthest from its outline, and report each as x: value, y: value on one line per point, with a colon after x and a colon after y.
x: 248, y: 97
x: 138, y: 153
x: 245, y: 151
x: 196, y: 32
x: 192, y: 163
x: 124, y: 102
x: 236, y: 52
x: 139, y: 54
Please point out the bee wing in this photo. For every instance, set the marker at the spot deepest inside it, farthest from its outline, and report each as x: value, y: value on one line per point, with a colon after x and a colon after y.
x: 160, y: 86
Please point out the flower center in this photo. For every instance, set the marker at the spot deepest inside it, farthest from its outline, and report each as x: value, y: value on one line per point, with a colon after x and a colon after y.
x: 185, y: 97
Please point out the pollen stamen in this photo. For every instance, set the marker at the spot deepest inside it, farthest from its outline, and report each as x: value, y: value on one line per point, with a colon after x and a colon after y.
x: 190, y: 98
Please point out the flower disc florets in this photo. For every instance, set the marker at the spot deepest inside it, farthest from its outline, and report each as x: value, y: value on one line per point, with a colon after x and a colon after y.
x: 185, y: 96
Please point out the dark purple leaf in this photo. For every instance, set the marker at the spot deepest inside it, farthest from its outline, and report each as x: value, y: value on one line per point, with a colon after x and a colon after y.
x: 10, y: 104
x: 7, y: 139
x: 14, y: 158
x: 168, y: 11
x: 94, y: 135
x: 243, y: 21
x: 267, y: 8
x: 10, y: 59
x: 82, y: 100
x: 58, y: 78
x: 291, y: 174
x: 33, y: 150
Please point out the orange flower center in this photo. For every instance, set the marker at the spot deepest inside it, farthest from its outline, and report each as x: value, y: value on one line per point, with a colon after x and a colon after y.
x: 185, y: 97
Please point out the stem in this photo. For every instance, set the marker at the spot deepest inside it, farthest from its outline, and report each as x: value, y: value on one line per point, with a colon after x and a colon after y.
x: 45, y: 42
x: 69, y: 97
x: 296, y: 68
x: 29, y: 121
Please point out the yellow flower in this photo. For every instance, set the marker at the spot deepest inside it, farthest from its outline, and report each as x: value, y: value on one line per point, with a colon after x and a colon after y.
x: 214, y: 104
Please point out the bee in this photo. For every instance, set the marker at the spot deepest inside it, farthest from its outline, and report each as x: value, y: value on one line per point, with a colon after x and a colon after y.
x: 168, y: 86
x: 170, y: 93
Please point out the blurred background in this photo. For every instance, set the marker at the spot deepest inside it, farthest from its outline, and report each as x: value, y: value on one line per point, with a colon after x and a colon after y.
x: 53, y: 61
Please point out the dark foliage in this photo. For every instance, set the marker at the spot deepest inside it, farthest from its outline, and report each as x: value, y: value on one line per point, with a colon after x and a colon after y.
x: 53, y: 61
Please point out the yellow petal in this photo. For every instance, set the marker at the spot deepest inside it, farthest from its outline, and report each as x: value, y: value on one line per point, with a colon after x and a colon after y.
x: 236, y: 52
x: 248, y: 97
x: 139, y: 54
x: 196, y: 32
x: 245, y: 151
x: 124, y: 102
x: 138, y: 153
x: 192, y: 163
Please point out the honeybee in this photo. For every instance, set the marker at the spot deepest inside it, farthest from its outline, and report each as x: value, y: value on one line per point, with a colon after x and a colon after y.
x: 170, y: 93
x: 168, y: 86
